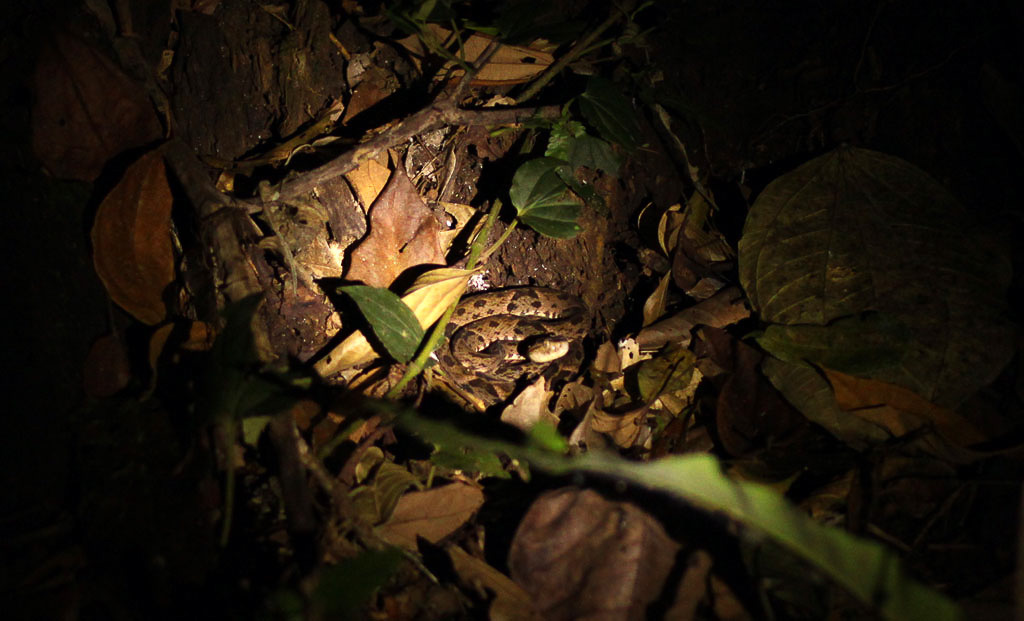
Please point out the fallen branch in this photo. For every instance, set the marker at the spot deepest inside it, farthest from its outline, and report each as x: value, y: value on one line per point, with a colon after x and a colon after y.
x: 434, y: 116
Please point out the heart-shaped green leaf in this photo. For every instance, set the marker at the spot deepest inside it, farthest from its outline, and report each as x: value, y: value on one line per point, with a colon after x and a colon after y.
x: 611, y: 113
x: 856, y: 230
x: 540, y: 198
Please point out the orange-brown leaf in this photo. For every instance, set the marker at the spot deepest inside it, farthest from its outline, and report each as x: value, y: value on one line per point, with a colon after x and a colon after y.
x: 403, y: 233
x: 510, y: 64
x: 898, y: 409
x: 131, y: 240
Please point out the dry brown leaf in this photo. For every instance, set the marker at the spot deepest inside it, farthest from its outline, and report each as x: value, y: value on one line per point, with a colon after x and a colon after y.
x: 629, y: 353
x: 375, y: 84
x: 669, y: 226
x: 583, y: 435
x: 722, y: 309
x: 530, y: 407
x: 369, y: 179
x: 654, y: 306
x: 462, y: 214
x: 751, y: 417
x: 131, y: 240
x: 432, y: 514
x: 581, y: 556
x: 700, y: 587
x: 624, y: 429
x: 699, y: 252
x: 693, y: 587
x: 511, y: 64
x: 86, y: 110
x: 898, y: 409
x: 510, y: 603
x: 574, y: 396
x: 607, y: 359
x: 199, y: 337
x: 403, y: 233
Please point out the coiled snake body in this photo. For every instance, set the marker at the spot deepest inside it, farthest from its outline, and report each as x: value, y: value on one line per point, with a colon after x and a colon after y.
x: 499, y: 338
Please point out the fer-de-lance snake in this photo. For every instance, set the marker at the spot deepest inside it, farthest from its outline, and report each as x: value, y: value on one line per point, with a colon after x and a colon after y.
x: 497, y: 339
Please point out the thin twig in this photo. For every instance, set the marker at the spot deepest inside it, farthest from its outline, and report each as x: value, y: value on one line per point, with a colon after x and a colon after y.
x: 316, y: 467
x: 478, y: 64
x: 582, y: 46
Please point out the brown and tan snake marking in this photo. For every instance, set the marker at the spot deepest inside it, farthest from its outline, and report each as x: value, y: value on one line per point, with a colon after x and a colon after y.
x: 497, y: 338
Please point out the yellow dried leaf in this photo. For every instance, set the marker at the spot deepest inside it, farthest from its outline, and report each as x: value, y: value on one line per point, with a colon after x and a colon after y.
x: 369, y: 179
x: 428, y: 297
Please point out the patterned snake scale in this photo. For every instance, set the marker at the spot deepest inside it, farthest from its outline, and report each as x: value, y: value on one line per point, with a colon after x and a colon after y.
x: 493, y: 337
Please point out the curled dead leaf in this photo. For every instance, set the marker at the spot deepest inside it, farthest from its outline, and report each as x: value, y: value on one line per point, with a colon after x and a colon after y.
x: 625, y: 429
x: 722, y: 309
x: 899, y: 410
x: 530, y: 407
x: 654, y: 306
x: 581, y: 556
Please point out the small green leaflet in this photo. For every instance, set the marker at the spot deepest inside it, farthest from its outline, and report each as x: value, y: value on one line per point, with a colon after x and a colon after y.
x: 563, y: 132
x: 485, y: 463
x: 391, y: 320
x: 539, y: 196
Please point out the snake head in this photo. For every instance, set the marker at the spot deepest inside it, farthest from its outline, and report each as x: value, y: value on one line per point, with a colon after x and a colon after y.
x: 547, y: 349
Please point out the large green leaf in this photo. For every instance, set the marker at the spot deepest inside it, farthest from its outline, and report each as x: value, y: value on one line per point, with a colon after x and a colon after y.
x: 539, y: 196
x: 392, y: 321
x: 611, y: 113
x: 856, y: 344
x: 856, y: 230
x: 866, y: 569
x: 593, y: 153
